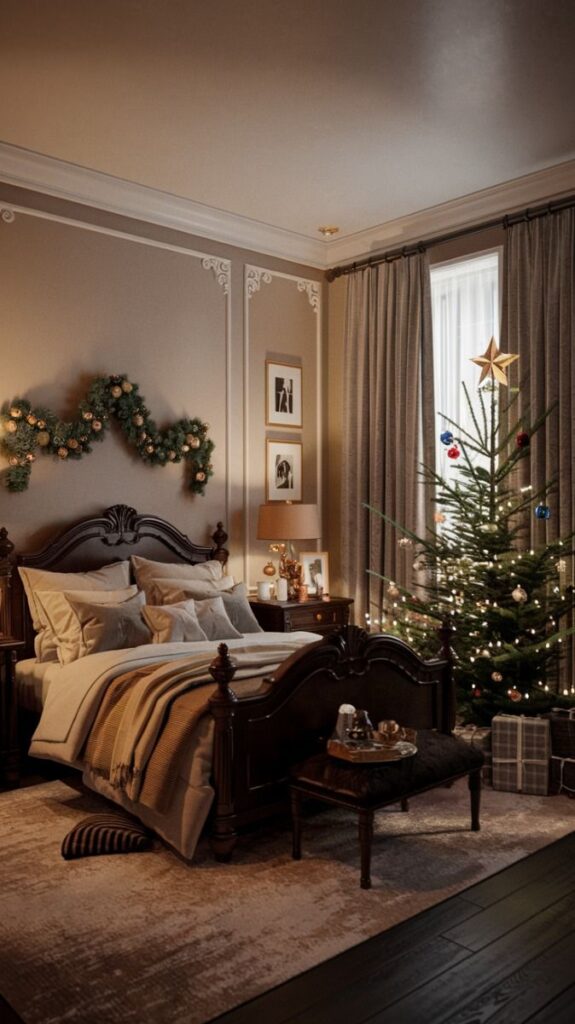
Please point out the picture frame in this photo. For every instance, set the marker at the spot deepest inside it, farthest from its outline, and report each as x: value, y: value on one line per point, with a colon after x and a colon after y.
x: 315, y: 564
x: 283, y: 470
x: 283, y: 395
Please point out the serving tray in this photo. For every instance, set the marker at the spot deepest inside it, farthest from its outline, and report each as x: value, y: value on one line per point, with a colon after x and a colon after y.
x: 376, y: 753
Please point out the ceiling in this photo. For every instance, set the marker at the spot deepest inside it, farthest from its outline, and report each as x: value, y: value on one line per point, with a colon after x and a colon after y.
x: 295, y: 114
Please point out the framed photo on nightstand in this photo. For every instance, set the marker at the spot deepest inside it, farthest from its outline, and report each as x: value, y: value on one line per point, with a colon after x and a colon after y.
x: 283, y: 395
x: 315, y: 565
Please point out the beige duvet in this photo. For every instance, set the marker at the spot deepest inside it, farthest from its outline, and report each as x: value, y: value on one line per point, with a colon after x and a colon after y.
x: 137, y: 723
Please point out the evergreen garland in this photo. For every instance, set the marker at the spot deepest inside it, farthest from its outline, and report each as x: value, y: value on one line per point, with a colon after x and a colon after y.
x: 25, y: 430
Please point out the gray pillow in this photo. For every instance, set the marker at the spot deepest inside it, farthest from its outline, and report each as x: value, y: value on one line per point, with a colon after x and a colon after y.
x: 173, y: 622
x: 111, y: 627
x: 235, y: 602
x: 214, y: 621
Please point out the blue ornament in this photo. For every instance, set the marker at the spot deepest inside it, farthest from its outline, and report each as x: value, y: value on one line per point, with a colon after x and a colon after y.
x: 446, y: 437
x: 542, y: 511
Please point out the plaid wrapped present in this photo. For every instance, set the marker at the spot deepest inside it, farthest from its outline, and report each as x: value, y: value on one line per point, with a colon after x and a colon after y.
x: 520, y: 754
x: 478, y: 736
x: 562, y: 723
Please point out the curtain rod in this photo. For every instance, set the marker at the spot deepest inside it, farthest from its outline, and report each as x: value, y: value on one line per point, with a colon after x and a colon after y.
x: 409, y: 250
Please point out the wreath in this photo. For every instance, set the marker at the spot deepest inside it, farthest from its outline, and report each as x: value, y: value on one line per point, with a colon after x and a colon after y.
x: 27, y: 430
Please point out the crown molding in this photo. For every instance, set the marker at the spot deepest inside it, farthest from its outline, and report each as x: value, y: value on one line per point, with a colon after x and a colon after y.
x: 77, y: 184
x: 509, y: 197
x: 40, y: 173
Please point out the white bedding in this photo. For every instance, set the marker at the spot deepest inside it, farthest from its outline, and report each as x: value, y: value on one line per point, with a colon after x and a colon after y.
x: 33, y: 679
x: 73, y: 698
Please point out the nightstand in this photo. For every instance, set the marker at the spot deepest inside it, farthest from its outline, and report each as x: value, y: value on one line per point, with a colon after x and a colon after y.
x: 9, y: 751
x: 316, y: 615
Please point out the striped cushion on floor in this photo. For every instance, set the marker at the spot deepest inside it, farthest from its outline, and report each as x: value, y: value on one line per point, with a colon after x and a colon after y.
x: 109, y: 832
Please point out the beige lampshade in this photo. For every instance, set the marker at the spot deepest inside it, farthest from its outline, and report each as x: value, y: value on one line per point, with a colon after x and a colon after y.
x: 284, y: 521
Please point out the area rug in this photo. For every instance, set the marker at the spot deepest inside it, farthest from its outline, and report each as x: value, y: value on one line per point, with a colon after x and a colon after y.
x: 148, y: 939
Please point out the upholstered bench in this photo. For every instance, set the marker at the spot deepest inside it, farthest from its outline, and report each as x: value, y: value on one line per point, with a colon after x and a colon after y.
x: 366, y: 788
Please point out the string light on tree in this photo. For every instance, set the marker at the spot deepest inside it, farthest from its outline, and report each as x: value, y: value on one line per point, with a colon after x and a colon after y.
x: 509, y: 606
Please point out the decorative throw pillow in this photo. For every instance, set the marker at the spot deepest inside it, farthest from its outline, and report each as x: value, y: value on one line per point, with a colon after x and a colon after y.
x: 235, y: 600
x: 170, y: 590
x: 111, y: 627
x: 173, y: 622
x: 146, y: 571
x: 214, y: 621
x: 109, y: 832
x: 61, y: 617
x: 109, y: 577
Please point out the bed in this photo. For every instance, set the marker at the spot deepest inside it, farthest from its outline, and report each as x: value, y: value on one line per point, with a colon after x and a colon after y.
x: 251, y: 726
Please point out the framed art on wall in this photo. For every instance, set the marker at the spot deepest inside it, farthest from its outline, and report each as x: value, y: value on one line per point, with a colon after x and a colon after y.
x: 315, y: 565
x: 283, y: 395
x: 283, y: 471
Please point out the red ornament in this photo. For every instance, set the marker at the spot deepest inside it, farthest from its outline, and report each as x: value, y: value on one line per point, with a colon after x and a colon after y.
x: 522, y: 440
x: 453, y: 453
x: 514, y: 694
x: 476, y: 691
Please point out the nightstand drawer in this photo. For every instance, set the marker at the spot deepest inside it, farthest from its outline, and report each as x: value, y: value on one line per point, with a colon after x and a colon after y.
x: 317, y: 617
x: 313, y: 615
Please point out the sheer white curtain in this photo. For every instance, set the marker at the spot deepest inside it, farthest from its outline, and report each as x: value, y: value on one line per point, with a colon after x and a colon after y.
x: 465, y: 312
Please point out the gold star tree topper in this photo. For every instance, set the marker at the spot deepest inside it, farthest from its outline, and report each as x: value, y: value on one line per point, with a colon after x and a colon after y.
x: 493, y: 363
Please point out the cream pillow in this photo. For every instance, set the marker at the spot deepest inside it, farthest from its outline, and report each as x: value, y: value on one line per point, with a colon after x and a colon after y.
x: 173, y: 623
x: 235, y: 601
x: 146, y: 570
x: 111, y: 627
x: 61, y: 616
x: 109, y: 577
x: 214, y: 621
x: 170, y: 591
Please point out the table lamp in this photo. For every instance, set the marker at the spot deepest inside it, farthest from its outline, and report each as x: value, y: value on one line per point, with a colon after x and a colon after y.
x: 285, y: 522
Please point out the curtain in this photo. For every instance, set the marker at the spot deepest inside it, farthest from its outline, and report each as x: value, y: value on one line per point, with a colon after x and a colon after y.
x: 389, y: 415
x: 539, y: 324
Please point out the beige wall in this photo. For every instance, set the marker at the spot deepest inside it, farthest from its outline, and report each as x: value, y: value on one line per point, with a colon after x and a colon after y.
x: 86, y: 293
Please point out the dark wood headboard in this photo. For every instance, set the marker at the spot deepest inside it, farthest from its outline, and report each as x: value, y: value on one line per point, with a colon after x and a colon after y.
x: 114, y: 535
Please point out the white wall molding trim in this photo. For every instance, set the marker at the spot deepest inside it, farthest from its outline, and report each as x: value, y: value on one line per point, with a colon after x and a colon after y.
x: 222, y: 271
x: 77, y: 184
x: 509, y: 197
x: 74, y: 183
x: 255, y: 276
x: 311, y: 288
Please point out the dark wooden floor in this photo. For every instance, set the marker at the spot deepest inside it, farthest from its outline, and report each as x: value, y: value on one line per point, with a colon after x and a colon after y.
x: 501, y: 952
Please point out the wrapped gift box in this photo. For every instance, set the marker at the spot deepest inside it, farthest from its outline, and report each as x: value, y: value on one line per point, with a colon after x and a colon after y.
x: 478, y: 736
x: 562, y: 724
x: 521, y: 750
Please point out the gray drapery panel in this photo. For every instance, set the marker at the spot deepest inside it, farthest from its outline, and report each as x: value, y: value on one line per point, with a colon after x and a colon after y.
x: 389, y: 415
x: 539, y: 324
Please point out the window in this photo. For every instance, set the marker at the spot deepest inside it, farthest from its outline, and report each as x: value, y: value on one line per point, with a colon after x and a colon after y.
x: 465, y: 310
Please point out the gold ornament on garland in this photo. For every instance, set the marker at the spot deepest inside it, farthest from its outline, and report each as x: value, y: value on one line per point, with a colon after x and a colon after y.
x: 24, y: 430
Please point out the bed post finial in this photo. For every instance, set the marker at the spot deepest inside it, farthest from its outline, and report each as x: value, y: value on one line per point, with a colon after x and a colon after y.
x: 219, y: 537
x: 222, y: 670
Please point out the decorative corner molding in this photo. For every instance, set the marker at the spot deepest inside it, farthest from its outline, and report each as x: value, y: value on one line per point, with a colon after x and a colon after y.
x: 254, y: 279
x: 311, y: 288
x: 222, y: 271
x: 7, y: 215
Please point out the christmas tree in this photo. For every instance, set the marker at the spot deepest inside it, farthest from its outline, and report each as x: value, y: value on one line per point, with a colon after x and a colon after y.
x: 506, y: 602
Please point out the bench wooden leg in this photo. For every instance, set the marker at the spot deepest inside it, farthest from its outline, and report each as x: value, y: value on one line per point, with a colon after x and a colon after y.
x: 365, y: 839
x: 404, y: 803
x: 475, y: 794
x: 295, y: 797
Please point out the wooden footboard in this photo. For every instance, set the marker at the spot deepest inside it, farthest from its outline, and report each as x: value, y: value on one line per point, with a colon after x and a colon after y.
x: 257, y: 739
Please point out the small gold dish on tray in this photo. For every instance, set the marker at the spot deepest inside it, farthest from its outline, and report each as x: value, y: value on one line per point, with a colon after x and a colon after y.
x: 378, y: 751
